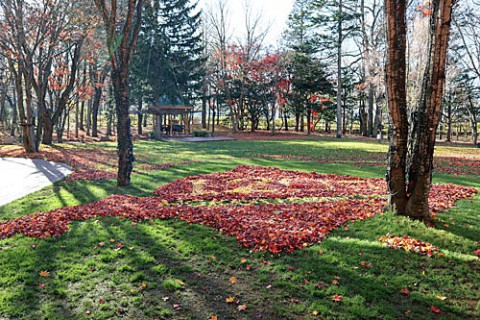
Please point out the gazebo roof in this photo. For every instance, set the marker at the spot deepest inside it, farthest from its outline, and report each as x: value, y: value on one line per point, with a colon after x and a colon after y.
x: 166, y: 105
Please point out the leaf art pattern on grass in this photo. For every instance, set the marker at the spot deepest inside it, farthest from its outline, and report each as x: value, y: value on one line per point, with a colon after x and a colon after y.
x: 255, y: 182
x: 272, y: 227
x: 409, y: 244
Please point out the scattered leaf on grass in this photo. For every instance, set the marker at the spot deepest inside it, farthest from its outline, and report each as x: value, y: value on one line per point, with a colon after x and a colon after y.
x: 45, y: 274
x: 435, y: 309
x: 337, y: 298
x: 242, y: 307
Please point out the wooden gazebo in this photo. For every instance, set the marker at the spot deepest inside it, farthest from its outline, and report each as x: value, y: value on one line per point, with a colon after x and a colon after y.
x: 171, y: 118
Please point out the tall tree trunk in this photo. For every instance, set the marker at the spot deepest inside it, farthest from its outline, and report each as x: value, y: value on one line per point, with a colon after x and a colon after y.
x: 413, y: 201
x: 94, y: 110
x: 15, y: 115
x: 124, y: 136
x: 363, y: 118
x: 397, y: 103
x: 140, y: 116
x: 339, y: 69
x: 77, y: 107
x: 449, y: 123
x: 428, y: 114
x: 47, y: 136
x: 371, y: 94
x: 309, y: 121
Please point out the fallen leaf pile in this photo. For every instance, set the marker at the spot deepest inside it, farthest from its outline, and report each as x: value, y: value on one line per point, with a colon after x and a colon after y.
x: 409, y: 244
x: 255, y: 182
x: 276, y: 227
x: 90, y: 175
x: 467, y: 164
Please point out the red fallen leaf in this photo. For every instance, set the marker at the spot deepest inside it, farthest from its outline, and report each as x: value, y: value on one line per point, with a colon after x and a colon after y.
x: 101, y: 300
x: 435, y: 309
x: 319, y: 285
x: 248, y: 268
x: 177, y: 307
x: 335, y: 282
x: 366, y: 265
x: 294, y: 300
x: 306, y: 281
x: 41, y: 285
x: 405, y: 292
x: 337, y: 298
x: 477, y: 252
x: 291, y: 268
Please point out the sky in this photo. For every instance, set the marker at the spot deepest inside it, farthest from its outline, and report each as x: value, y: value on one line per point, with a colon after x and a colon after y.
x: 275, y: 12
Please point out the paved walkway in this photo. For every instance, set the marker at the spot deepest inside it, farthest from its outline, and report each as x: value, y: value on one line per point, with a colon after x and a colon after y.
x: 19, y: 177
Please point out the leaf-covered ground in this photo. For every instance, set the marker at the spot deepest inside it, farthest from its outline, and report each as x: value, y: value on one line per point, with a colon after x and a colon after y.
x: 106, y: 267
x: 275, y: 227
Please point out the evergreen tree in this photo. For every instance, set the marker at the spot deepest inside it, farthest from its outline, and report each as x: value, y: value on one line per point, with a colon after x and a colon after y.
x: 337, y: 20
x: 170, y: 52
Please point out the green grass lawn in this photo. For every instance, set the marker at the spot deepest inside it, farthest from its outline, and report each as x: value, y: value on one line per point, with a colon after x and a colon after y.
x: 174, y: 270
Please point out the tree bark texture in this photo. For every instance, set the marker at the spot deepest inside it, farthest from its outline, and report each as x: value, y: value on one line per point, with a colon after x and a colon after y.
x: 427, y: 118
x: 395, y: 73
x: 121, y: 48
x: 411, y: 197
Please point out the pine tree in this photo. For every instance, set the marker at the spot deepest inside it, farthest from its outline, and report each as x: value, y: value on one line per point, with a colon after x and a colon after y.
x: 337, y: 20
x: 170, y: 55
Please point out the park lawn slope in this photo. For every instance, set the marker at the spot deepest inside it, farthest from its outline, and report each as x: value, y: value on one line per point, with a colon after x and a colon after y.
x: 118, y: 268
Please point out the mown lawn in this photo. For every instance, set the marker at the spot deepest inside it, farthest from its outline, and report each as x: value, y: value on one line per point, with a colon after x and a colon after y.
x: 174, y: 270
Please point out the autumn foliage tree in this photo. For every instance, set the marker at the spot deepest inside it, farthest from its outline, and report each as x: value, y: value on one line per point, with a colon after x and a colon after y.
x: 409, y: 173
x: 122, y: 21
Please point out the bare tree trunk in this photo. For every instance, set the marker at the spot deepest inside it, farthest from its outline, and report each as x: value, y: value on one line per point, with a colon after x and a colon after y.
x: 397, y: 103
x: 140, y: 116
x: 371, y: 94
x: 339, y: 69
x: 413, y: 202
x: 124, y: 136
x: 76, y: 118
x: 426, y: 124
x: 94, y: 111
